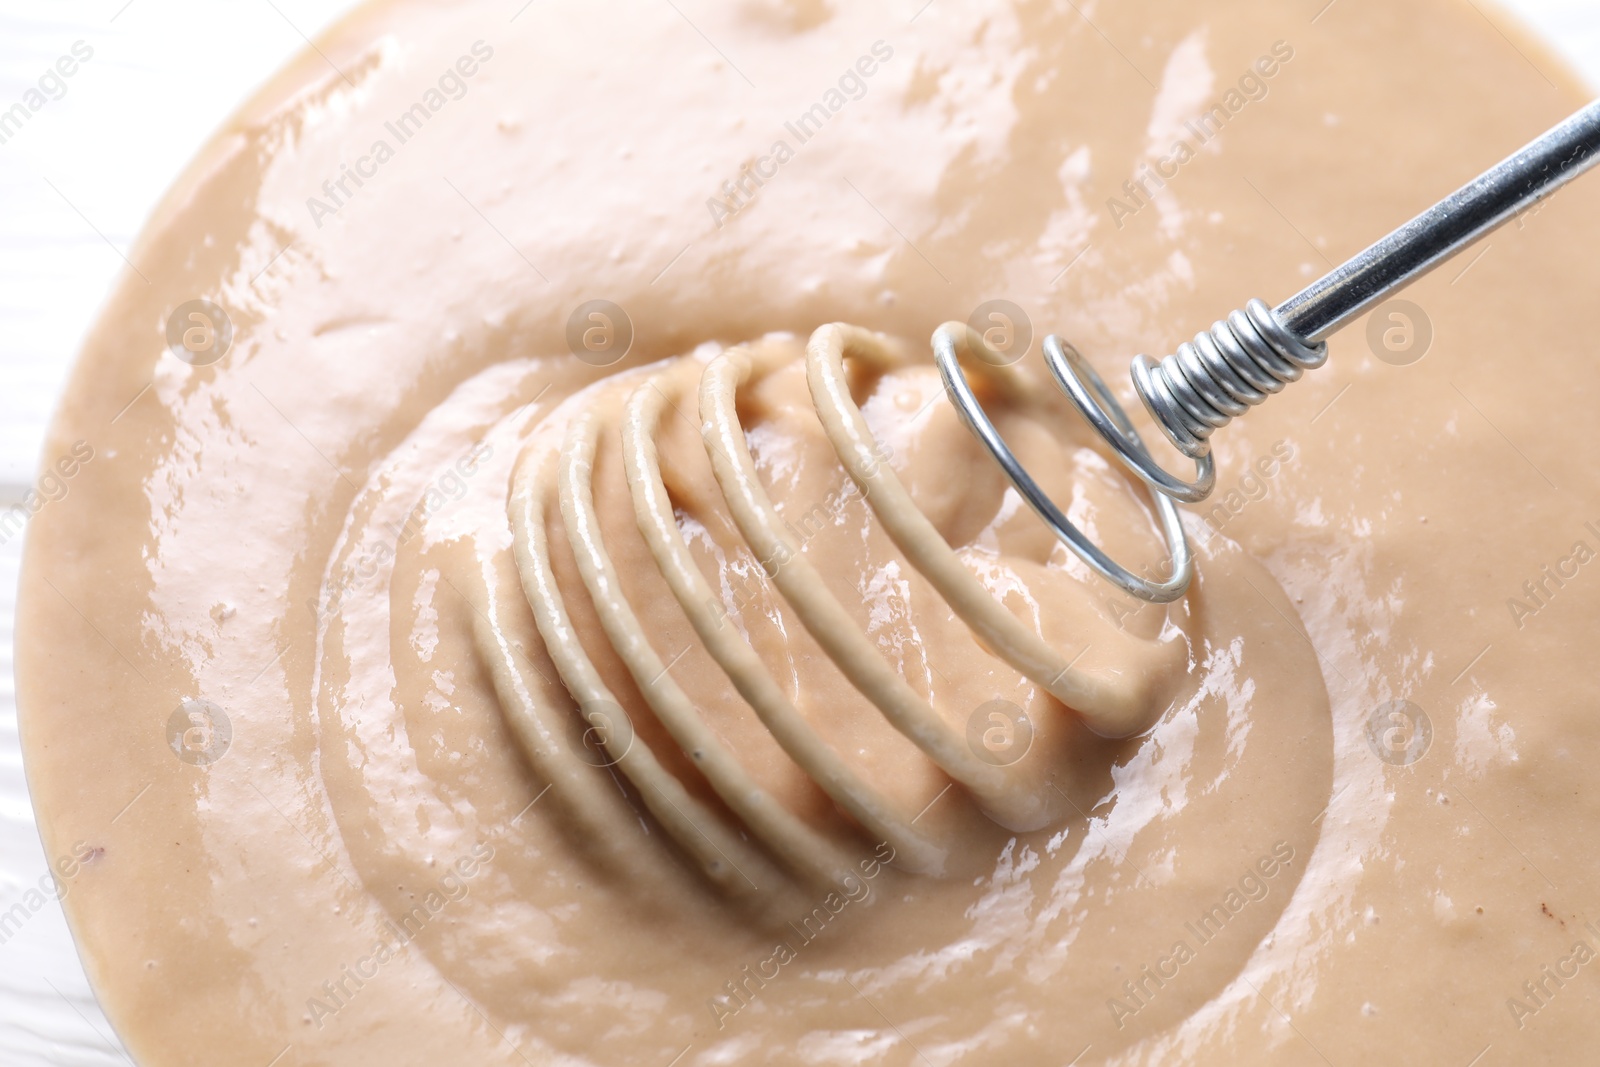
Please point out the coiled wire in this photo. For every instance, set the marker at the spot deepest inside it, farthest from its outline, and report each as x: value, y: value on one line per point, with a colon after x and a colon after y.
x: 1221, y: 374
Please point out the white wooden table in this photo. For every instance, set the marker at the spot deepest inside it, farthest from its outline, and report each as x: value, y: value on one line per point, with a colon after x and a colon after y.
x: 75, y: 186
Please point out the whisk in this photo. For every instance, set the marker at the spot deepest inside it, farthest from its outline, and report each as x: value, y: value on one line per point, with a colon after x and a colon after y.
x: 1255, y: 352
x: 752, y: 841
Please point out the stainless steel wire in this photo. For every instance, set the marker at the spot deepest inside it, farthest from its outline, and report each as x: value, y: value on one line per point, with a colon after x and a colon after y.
x: 1255, y: 352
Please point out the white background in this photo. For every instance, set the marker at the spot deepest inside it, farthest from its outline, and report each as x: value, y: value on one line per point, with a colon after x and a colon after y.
x: 75, y: 186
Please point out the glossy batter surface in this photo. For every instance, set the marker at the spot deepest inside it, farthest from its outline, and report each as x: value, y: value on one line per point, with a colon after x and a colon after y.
x: 307, y: 652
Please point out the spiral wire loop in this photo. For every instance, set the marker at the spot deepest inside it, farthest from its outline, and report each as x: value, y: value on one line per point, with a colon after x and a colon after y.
x: 1191, y: 394
x: 1077, y: 379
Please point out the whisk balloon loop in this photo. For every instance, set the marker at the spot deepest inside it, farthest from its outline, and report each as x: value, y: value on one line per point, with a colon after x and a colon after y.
x: 1088, y: 392
x: 948, y: 341
x: 1255, y: 352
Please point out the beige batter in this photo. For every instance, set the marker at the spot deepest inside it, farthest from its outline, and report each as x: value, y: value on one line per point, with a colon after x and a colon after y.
x: 625, y: 715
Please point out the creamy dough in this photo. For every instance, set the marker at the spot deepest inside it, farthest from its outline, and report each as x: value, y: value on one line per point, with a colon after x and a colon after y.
x: 401, y: 528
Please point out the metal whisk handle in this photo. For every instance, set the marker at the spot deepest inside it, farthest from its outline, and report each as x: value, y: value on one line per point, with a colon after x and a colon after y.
x: 1472, y: 212
x: 1242, y: 360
